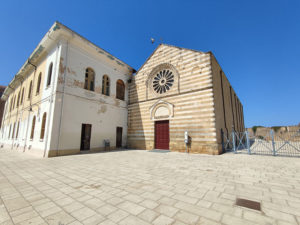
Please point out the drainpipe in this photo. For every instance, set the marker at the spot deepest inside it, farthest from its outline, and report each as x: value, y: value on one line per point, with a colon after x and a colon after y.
x: 18, y: 105
x: 62, y: 101
x: 223, y: 102
x: 9, y: 118
x: 30, y: 106
x: 3, y: 118
x: 4, y: 115
x: 15, y: 133
x: 51, y: 98
x: 22, y: 104
x: 33, y: 82
x: 233, y: 121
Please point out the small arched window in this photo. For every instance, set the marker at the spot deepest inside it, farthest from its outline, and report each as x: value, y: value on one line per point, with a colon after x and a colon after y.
x: 89, y: 81
x: 120, y: 90
x: 43, y: 126
x: 49, y: 74
x: 38, y: 86
x: 32, y: 128
x: 105, y: 85
x: 22, y: 96
x: 18, y: 101
x: 30, y: 89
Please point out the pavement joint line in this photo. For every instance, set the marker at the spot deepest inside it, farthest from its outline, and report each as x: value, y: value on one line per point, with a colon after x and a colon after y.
x: 25, y: 200
x: 34, y: 207
x: 6, y: 210
x: 205, y: 181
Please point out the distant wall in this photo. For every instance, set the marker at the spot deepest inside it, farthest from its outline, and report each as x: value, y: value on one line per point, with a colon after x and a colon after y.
x: 280, y: 133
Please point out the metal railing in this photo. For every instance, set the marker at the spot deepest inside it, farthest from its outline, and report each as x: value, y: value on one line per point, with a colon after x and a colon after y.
x: 267, y: 143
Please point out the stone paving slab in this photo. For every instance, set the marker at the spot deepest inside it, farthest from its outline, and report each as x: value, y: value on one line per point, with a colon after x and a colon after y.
x: 140, y: 187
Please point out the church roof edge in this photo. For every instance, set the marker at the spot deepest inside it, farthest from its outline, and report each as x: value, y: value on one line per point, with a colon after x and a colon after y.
x: 173, y: 46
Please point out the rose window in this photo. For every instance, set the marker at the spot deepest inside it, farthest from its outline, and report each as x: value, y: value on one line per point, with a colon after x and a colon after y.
x: 163, y: 81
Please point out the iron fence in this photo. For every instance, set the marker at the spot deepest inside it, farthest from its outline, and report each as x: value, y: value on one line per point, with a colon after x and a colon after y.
x: 269, y: 143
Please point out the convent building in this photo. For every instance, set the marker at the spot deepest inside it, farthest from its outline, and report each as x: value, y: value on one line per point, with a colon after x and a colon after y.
x: 71, y: 96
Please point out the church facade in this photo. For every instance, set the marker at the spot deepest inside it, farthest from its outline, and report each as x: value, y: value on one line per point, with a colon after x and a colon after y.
x: 180, y: 90
x: 71, y: 96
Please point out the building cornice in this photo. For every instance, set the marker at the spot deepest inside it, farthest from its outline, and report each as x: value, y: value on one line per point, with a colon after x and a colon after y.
x: 57, y: 32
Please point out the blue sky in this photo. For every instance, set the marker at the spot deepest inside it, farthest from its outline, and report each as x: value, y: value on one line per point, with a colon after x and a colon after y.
x: 257, y: 43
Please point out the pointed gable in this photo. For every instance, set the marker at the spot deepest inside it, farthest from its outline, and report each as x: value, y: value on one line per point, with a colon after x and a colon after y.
x: 180, y: 61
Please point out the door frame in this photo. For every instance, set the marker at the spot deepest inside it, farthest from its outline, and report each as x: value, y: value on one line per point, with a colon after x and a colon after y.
x: 155, y: 134
x: 83, y: 127
x: 119, y: 128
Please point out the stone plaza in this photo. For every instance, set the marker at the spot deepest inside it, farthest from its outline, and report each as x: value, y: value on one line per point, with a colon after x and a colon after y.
x: 129, y: 187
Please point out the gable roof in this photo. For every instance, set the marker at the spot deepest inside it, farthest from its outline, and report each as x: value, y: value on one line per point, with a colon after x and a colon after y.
x: 168, y: 45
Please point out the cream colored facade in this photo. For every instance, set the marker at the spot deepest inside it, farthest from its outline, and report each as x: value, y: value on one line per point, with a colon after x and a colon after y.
x: 64, y: 100
x: 199, y: 100
x: 83, y: 98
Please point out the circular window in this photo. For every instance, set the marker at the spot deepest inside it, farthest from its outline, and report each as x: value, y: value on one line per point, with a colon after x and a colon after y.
x: 163, y: 81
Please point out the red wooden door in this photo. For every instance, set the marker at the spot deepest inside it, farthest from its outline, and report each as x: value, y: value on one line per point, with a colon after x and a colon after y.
x: 162, y: 134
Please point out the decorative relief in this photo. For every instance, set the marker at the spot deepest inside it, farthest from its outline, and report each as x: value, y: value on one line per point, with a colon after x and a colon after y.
x: 161, y: 110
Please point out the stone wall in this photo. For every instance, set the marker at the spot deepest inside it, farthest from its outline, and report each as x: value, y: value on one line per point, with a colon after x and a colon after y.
x: 27, y: 101
x: 201, y: 101
x: 191, y: 100
x: 283, y: 133
x: 227, y: 106
x: 64, y: 100
x: 75, y: 105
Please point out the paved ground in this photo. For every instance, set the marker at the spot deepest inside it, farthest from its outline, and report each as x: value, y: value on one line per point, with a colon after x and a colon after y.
x: 139, y: 187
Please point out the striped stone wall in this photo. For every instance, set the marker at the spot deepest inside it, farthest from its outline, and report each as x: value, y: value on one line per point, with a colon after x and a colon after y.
x: 228, y: 108
x: 191, y: 99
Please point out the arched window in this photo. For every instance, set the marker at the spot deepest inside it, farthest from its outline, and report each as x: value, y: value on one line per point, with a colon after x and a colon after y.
x: 9, y: 131
x: 22, y: 96
x: 18, y: 130
x: 13, y: 134
x: 89, y: 81
x: 105, y: 85
x: 11, y: 103
x: 120, y: 90
x: 49, y: 74
x: 43, y: 126
x: 38, y: 84
x: 18, y: 101
x: 14, y: 104
x: 30, y: 89
x: 32, y: 128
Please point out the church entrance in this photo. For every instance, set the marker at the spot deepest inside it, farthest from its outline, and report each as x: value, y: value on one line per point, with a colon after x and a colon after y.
x: 162, y: 134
